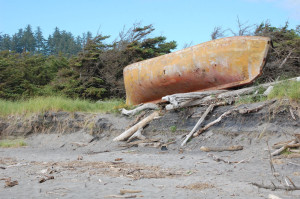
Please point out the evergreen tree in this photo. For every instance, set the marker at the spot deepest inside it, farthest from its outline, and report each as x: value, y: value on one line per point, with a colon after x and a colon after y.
x: 29, y: 40
x: 5, y: 42
x: 17, y: 44
x: 40, y: 41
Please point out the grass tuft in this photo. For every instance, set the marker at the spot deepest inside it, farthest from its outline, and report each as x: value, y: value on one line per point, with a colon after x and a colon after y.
x: 43, y: 104
x: 12, y: 143
x: 287, y: 89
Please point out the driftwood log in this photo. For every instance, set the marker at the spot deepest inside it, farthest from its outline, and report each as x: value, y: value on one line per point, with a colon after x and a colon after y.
x: 276, y: 187
x: 139, y: 109
x: 138, y: 135
x: 238, y: 110
x: 278, y: 151
x: 182, y: 100
x: 222, y: 148
x: 208, y: 110
x: 129, y: 132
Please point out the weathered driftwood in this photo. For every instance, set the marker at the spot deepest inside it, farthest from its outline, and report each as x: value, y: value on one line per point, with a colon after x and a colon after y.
x: 124, y: 191
x: 139, y: 108
x: 276, y: 187
x: 218, y: 159
x: 295, y: 150
x: 292, y: 113
x: 120, y: 196
x: 238, y: 110
x: 268, y: 91
x: 222, y: 148
x: 194, y: 102
x: 138, y: 135
x: 137, y: 119
x: 129, y: 132
x: 271, y: 196
x: 182, y: 100
x: 182, y: 97
x: 278, y: 151
x: 208, y: 110
x: 281, y: 144
x: 213, y: 122
x: 138, y: 142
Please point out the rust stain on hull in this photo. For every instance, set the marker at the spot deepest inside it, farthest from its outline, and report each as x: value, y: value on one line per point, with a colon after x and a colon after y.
x: 217, y: 64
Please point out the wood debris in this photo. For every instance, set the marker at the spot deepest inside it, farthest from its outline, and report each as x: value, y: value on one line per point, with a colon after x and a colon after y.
x: 124, y: 191
x: 140, y: 108
x: 221, y: 148
x: 125, y: 135
x: 45, y: 179
x: 10, y: 183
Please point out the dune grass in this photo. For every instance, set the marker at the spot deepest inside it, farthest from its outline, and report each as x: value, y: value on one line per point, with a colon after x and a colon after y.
x: 12, y: 143
x: 287, y: 89
x: 43, y: 104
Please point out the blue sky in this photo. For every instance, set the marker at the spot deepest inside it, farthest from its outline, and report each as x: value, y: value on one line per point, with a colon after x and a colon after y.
x: 184, y: 21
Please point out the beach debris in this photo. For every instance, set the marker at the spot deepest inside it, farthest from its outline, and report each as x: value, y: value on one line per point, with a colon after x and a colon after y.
x: 164, y: 148
x: 42, y: 180
x: 271, y: 196
x: 138, y: 135
x: 182, y: 100
x: 140, y: 108
x: 79, y: 144
x: 208, y: 110
x: 124, y: 191
x: 120, y: 196
x: 197, y: 186
x: 268, y: 91
x: 80, y: 157
x: 221, y: 148
x: 118, y: 159
x: 152, y: 144
x: 218, y: 159
x: 274, y: 187
x: 10, y: 183
x: 287, y: 145
x: 243, y: 110
x: 125, y: 135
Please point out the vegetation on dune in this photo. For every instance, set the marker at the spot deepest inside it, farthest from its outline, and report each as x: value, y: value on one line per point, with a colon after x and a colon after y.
x: 32, y: 68
x: 285, y: 90
x: 43, y: 104
x: 8, y: 143
x: 290, y: 90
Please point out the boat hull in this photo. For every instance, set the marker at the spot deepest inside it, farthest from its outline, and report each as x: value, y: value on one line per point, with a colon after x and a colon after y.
x: 217, y: 64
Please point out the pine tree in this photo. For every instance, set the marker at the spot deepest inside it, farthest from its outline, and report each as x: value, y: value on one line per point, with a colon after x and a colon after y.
x: 5, y: 42
x: 29, y: 40
x: 40, y: 41
x: 17, y: 43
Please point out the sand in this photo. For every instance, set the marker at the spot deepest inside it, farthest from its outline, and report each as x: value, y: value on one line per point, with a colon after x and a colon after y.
x: 101, y: 169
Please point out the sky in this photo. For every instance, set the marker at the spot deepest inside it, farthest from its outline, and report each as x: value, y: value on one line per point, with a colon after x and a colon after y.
x: 185, y: 21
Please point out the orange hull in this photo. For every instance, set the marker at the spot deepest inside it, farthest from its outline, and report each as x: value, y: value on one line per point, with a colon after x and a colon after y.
x: 217, y: 64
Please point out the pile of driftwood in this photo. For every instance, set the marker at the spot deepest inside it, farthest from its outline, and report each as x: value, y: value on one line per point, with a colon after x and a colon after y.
x: 212, y: 99
x: 292, y: 146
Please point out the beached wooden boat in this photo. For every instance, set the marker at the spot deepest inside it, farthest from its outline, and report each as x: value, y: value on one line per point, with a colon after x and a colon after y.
x: 217, y: 64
